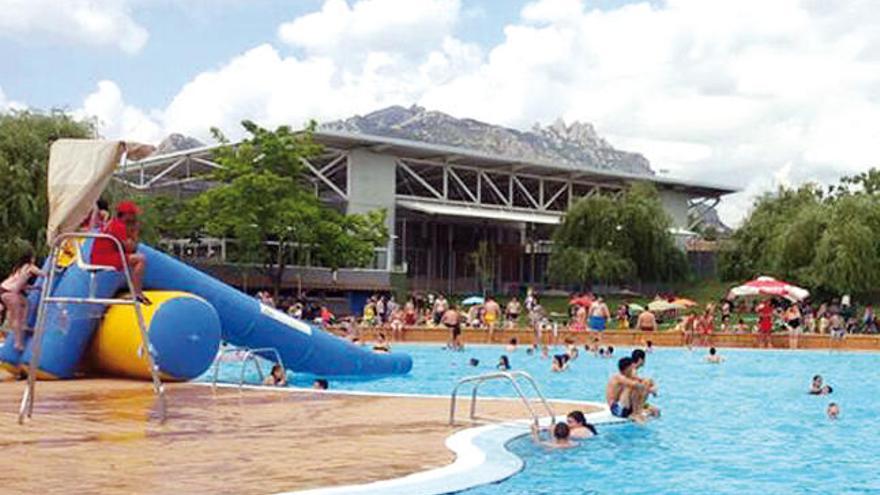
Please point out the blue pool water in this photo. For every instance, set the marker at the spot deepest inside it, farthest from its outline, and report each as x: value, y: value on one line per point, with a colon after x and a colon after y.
x: 745, y: 426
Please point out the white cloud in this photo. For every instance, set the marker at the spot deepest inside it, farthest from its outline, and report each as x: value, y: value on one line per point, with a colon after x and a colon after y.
x: 6, y: 104
x: 91, y: 22
x: 406, y: 27
x: 117, y: 119
x: 745, y: 93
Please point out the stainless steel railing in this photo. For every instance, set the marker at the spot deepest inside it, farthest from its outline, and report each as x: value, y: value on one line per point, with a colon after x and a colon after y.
x: 250, y: 356
x: 27, y: 400
x: 512, y: 378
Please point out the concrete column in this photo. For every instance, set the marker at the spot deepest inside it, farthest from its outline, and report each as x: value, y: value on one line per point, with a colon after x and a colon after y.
x: 372, y: 184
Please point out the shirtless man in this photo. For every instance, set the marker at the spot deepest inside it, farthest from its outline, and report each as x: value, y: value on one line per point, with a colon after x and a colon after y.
x: 451, y: 319
x: 624, y: 394
x: 491, y: 316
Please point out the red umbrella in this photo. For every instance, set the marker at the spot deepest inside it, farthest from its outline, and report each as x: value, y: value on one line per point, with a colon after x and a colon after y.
x: 584, y: 301
x: 769, y: 286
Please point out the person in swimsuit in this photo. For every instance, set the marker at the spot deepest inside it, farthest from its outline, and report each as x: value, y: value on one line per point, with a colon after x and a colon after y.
x: 624, y: 394
x: 793, y: 322
x: 320, y: 384
x: 491, y: 315
x: 514, y: 308
x: 833, y: 411
x: 714, y: 357
x: 639, y: 358
x: 503, y: 363
x: 382, y: 346
x: 599, y: 315
x: 818, y: 387
x: 12, y: 293
x: 452, y: 320
x: 647, y: 322
x: 277, y: 377
x: 561, y: 437
x: 578, y: 425
x: 560, y: 363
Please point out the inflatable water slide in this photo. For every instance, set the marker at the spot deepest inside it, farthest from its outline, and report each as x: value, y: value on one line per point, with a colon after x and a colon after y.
x: 190, y: 315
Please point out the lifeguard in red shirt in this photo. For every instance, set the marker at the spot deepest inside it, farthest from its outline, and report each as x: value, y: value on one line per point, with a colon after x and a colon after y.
x: 125, y: 228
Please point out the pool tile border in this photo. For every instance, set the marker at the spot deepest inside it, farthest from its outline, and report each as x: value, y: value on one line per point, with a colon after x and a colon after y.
x: 481, y: 458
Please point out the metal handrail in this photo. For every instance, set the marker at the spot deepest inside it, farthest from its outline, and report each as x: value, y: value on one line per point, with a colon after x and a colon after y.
x: 511, y: 377
x: 250, y: 355
x: 27, y: 400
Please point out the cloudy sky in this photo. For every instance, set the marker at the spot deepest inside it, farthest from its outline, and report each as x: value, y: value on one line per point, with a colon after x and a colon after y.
x: 749, y: 93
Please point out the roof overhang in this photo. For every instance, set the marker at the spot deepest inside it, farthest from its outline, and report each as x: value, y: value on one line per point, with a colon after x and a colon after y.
x: 482, y: 213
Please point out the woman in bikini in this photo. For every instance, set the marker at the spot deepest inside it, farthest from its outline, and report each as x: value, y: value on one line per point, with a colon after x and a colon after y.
x: 12, y: 292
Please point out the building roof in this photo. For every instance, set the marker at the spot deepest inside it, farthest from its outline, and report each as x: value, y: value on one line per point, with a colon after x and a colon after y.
x: 417, y: 150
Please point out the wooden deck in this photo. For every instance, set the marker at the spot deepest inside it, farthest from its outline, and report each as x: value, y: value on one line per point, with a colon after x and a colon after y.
x: 97, y: 436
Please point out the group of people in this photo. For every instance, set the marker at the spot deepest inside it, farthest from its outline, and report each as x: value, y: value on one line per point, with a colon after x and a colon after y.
x: 819, y: 387
x: 124, y: 227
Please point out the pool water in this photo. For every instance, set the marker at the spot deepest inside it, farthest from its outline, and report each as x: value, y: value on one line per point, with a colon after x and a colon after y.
x: 744, y: 426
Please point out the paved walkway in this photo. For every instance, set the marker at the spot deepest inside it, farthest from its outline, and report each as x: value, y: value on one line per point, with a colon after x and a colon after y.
x: 96, y: 436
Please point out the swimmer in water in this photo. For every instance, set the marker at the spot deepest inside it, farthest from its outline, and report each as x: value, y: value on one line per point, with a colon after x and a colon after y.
x: 503, y: 363
x: 277, y: 377
x: 819, y: 388
x: 320, y: 384
x: 511, y: 346
x: 714, y: 357
x: 474, y: 362
x: 561, y: 438
x: 578, y: 425
x: 560, y: 362
x: 833, y: 410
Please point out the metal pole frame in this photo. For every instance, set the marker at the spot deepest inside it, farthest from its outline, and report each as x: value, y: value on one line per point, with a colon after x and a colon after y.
x: 27, y: 401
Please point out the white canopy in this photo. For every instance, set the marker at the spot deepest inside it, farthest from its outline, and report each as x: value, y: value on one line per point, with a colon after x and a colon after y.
x: 79, y: 170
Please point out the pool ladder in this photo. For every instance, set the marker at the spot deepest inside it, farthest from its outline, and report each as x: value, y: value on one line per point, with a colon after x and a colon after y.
x: 250, y: 356
x: 512, y: 378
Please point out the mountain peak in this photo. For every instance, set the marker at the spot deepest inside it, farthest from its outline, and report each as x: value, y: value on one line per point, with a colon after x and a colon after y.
x: 577, y: 144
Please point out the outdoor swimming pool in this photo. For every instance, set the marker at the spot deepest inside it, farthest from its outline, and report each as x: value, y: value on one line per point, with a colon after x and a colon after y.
x: 745, y: 426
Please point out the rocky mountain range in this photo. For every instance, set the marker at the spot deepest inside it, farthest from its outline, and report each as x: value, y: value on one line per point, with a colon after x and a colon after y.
x: 576, y: 144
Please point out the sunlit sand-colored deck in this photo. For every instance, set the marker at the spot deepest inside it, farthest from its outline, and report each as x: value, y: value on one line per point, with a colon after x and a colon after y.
x: 96, y: 436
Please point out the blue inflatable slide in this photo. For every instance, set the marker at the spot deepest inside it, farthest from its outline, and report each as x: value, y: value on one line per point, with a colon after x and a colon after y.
x: 191, y: 314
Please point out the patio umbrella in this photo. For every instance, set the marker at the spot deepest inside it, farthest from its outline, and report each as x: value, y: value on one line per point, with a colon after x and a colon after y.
x: 473, y: 300
x: 584, y: 301
x: 684, y: 302
x: 769, y: 286
x: 662, y: 306
x: 636, y: 308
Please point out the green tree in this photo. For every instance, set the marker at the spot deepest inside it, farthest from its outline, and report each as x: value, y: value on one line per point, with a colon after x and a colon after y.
x: 263, y: 200
x: 25, y: 137
x: 827, y: 241
x: 603, y: 239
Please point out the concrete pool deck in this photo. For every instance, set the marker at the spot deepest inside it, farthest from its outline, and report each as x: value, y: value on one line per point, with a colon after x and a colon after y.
x: 96, y: 436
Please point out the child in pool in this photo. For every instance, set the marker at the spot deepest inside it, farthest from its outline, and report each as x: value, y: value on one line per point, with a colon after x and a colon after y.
x: 833, y: 410
x: 503, y: 363
x: 561, y: 438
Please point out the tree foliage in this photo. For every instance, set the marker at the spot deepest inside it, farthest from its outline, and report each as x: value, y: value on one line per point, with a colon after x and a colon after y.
x: 826, y: 240
x: 25, y: 137
x: 262, y: 200
x: 603, y: 239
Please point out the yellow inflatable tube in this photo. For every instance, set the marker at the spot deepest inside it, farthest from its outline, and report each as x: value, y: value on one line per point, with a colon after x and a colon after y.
x: 183, y: 329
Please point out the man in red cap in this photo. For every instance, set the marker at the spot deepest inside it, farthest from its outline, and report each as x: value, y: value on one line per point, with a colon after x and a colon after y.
x: 124, y: 228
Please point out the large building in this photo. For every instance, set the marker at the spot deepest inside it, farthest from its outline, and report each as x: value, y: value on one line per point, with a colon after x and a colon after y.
x: 443, y: 204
